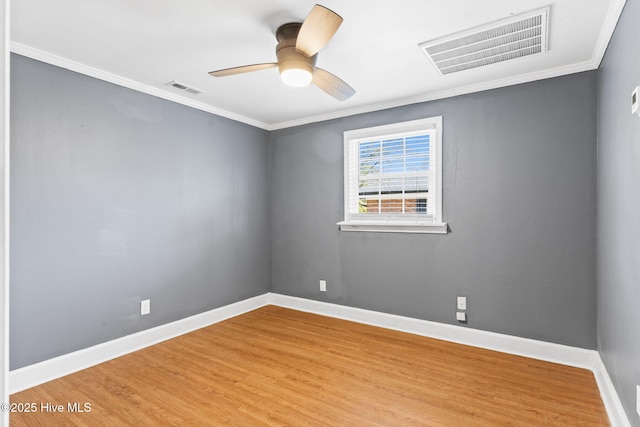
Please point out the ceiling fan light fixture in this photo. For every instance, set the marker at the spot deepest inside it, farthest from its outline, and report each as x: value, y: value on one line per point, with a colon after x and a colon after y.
x: 296, y: 77
x: 297, y: 52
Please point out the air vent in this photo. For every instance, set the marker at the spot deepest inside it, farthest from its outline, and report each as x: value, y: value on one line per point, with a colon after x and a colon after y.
x: 504, y: 40
x: 183, y: 86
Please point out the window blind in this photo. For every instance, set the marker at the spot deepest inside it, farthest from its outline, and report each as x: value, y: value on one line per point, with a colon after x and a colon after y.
x: 390, y: 177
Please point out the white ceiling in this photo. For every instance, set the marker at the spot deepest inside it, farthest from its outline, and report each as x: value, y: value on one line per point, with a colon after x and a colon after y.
x: 143, y: 44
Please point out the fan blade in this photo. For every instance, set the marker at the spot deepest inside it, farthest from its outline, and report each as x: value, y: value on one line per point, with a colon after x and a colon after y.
x: 243, y: 69
x: 317, y: 30
x: 332, y: 85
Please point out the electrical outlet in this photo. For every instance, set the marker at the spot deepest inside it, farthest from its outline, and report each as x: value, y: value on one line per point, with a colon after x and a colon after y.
x: 145, y: 307
x: 323, y: 286
x: 461, y: 316
x: 638, y: 399
x: 462, y: 303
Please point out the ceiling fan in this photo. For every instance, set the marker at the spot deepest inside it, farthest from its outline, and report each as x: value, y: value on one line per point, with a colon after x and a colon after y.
x: 297, y: 52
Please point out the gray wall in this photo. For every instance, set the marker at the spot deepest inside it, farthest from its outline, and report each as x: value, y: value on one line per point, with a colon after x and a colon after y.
x: 119, y: 196
x: 519, y: 196
x: 619, y: 210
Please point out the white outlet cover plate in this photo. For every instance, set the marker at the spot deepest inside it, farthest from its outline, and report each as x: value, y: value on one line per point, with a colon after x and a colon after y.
x: 145, y: 307
x: 323, y: 286
x: 461, y: 316
x: 638, y: 399
x: 462, y: 303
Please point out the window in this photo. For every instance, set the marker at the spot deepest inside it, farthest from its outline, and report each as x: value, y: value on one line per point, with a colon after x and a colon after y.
x: 393, y: 178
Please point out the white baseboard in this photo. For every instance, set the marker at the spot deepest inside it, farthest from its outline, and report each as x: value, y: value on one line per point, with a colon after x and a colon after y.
x: 617, y: 416
x: 556, y: 353
x: 39, y: 373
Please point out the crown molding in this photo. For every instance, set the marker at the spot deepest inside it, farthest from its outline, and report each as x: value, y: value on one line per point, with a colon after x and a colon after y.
x: 97, y: 73
x: 610, y: 23
x: 442, y: 94
x: 611, y: 20
x: 609, y: 26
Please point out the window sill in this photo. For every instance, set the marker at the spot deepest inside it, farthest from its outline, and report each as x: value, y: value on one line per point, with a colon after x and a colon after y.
x: 385, y: 227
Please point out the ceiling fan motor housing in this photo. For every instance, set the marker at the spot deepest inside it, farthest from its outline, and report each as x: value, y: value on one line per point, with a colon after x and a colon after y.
x: 288, y: 56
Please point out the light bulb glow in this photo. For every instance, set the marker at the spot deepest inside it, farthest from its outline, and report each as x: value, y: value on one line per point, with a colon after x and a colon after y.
x: 296, y: 77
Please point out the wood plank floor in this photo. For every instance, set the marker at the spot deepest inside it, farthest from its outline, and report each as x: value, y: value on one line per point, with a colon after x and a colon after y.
x: 277, y: 367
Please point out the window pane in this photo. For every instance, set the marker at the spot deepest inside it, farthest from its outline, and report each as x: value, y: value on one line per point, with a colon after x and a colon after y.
x: 369, y: 157
x: 391, y: 206
x: 421, y: 206
x: 363, y: 206
x: 393, y: 147
x: 417, y: 163
x: 416, y: 184
x: 417, y: 153
x: 391, y: 185
x: 416, y: 205
x: 392, y: 165
x: 369, y: 186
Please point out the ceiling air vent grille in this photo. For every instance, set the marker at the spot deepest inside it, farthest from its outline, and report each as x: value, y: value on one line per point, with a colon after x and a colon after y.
x: 183, y: 86
x: 515, y: 37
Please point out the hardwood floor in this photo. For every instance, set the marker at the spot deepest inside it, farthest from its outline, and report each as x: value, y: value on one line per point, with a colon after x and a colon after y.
x: 275, y: 367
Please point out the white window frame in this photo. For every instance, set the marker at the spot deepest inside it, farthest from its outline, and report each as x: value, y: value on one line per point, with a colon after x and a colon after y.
x: 395, y: 223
